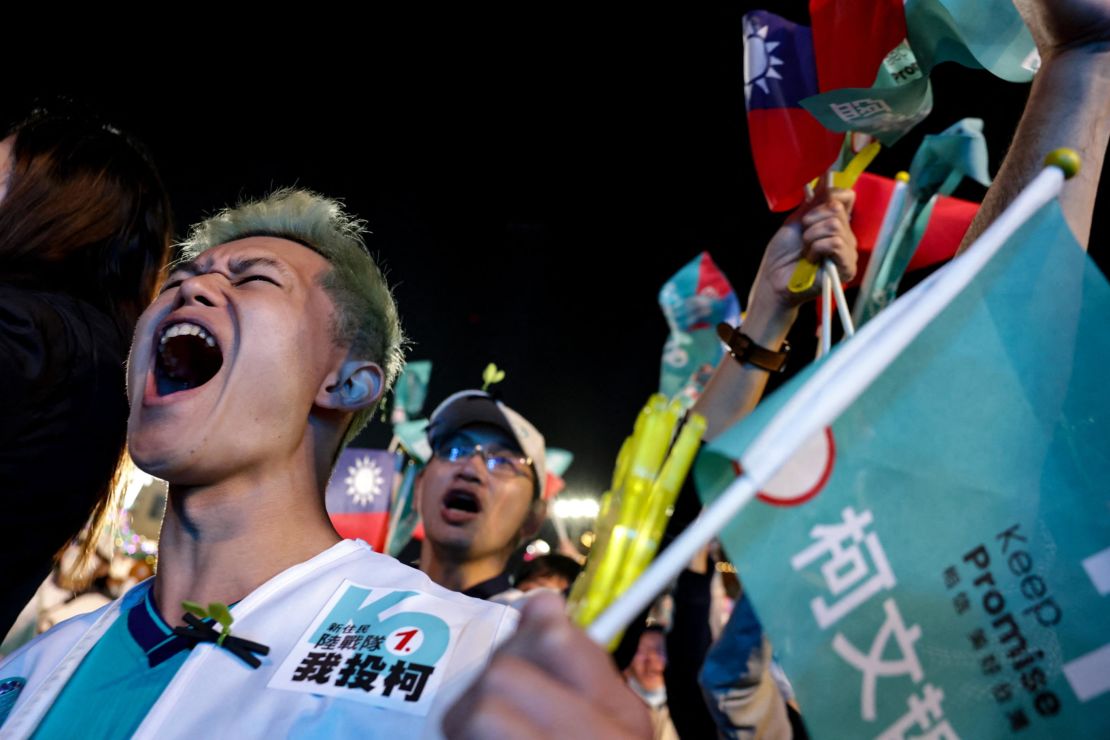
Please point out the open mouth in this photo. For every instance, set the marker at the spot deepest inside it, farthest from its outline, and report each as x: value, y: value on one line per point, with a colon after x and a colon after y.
x: 188, y: 356
x: 460, y: 500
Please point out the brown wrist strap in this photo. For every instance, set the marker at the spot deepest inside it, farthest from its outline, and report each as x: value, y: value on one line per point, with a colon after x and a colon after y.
x: 744, y: 350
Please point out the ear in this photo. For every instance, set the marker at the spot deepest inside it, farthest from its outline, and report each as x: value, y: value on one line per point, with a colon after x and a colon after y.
x: 355, y: 385
x: 532, y: 523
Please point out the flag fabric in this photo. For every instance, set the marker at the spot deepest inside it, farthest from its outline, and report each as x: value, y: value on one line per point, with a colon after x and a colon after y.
x: 937, y: 562
x: 986, y: 34
x: 901, y: 98
x: 694, y: 301
x: 945, y: 229
x: 852, y: 37
x: 557, y: 461
x: 403, y: 516
x: 943, y: 160
x: 939, y: 165
x: 358, y: 494
x: 980, y: 34
x: 410, y: 390
x: 789, y: 146
x: 870, y: 81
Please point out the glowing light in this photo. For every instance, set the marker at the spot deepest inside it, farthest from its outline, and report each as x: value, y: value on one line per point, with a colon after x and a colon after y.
x: 539, y: 547
x: 576, y: 508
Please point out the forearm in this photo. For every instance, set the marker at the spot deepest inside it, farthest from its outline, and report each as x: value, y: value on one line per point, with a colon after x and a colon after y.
x: 1069, y: 105
x: 735, y: 389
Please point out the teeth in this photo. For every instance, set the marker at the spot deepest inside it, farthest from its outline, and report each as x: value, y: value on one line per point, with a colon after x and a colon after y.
x: 187, y: 328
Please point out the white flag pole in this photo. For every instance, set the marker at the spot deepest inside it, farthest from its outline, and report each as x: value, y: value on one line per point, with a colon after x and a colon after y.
x: 896, y: 207
x: 825, y: 344
x: 841, y: 302
x: 836, y: 384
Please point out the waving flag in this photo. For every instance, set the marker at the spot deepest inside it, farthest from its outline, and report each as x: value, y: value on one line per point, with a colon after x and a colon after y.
x: 789, y: 146
x: 694, y: 301
x: 986, y: 34
x: 358, y: 494
x: 851, y: 38
x: 947, y: 224
x: 937, y: 561
x: 939, y: 165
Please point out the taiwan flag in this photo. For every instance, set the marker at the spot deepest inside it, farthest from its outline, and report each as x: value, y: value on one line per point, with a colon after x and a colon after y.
x: 789, y: 146
x: 358, y: 495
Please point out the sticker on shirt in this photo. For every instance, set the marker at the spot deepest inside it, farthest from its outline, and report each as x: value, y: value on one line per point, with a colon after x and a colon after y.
x: 10, y: 689
x: 378, y: 646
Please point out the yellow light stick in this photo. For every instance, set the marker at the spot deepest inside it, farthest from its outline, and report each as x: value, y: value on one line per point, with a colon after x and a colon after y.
x: 655, y: 438
x: 805, y: 272
x: 608, y: 518
x: 610, y: 509
x: 661, y: 502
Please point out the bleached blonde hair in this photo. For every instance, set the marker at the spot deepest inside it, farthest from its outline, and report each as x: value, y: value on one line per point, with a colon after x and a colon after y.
x: 366, y: 317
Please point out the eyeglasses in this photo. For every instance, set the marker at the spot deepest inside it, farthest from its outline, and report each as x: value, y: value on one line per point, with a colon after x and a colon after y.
x: 499, y: 463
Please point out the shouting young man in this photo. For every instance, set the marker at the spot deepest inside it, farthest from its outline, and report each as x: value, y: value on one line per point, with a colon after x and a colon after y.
x: 268, y: 348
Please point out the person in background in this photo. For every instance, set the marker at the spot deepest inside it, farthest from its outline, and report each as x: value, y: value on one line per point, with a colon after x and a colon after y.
x: 85, y: 228
x: 547, y: 571
x: 645, y: 677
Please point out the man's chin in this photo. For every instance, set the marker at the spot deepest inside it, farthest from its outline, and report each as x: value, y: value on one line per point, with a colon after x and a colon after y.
x: 455, y: 540
x: 170, y: 462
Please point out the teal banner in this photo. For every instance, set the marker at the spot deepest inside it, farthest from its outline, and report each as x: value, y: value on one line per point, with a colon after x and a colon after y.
x: 937, y: 563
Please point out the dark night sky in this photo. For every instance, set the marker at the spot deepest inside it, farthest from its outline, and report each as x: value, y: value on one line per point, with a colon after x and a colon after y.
x: 531, y: 178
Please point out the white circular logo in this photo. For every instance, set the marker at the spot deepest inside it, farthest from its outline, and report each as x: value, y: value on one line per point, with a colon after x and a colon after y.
x: 804, y: 474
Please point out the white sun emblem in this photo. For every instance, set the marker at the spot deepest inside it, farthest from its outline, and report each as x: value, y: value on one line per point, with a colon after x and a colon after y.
x: 364, y: 480
x: 759, y: 62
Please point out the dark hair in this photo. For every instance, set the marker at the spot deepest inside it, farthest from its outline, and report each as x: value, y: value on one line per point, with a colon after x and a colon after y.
x: 548, y: 565
x: 86, y: 214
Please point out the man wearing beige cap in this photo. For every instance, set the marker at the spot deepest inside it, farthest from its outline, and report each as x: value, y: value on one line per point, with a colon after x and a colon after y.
x: 481, y: 494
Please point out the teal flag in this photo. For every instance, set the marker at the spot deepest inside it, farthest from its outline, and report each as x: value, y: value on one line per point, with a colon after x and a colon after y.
x: 694, y: 301
x: 557, y: 460
x: 937, y: 563
x: 900, y: 98
x: 945, y: 159
x: 410, y: 390
x: 982, y: 34
x: 412, y: 438
x: 941, y: 162
x: 403, y: 516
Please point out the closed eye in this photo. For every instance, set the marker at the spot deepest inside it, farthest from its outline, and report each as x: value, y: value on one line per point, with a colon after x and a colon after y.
x: 251, y: 278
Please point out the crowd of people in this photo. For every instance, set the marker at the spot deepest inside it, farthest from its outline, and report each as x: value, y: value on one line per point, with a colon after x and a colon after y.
x: 239, y: 371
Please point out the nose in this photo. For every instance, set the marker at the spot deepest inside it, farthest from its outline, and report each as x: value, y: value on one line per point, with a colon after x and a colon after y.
x: 201, y: 290
x: 473, y: 469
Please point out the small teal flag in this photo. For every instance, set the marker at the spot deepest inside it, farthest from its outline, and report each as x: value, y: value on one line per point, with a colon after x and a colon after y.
x: 410, y: 390
x: 940, y: 164
x: 937, y: 563
x: 694, y: 301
